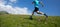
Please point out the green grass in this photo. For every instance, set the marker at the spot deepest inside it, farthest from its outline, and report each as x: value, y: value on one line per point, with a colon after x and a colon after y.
x: 24, y: 21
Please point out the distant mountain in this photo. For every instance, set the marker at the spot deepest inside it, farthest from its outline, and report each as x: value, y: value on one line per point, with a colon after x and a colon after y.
x: 3, y: 12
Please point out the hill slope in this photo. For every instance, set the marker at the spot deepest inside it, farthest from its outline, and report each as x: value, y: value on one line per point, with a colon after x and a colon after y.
x: 24, y: 21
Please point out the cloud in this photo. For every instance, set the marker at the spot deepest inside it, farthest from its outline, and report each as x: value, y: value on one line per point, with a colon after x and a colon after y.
x: 14, y: 1
x: 13, y: 10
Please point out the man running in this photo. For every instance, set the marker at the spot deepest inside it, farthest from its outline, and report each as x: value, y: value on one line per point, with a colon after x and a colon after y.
x: 36, y: 5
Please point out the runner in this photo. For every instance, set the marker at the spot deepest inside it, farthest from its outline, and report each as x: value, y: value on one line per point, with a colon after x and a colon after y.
x: 36, y: 5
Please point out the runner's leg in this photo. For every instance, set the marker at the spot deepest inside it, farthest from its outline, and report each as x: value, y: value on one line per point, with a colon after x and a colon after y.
x: 32, y: 15
x: 42, y: 14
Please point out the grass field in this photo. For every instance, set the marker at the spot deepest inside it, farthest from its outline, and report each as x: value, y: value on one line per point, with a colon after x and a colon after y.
x: 24, y: 21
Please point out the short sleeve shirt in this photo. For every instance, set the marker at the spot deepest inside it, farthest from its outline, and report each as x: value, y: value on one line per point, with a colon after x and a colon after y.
x: 36, y: 3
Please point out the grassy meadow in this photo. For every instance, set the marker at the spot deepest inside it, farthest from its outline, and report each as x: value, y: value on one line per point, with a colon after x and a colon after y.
x: 24, y: 21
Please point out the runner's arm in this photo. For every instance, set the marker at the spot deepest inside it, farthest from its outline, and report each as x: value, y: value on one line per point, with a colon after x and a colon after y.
x: 41, y: 3
x: 33, y: 2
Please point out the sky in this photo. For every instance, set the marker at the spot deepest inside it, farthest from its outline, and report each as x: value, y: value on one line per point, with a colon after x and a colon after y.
x: 51, y: 8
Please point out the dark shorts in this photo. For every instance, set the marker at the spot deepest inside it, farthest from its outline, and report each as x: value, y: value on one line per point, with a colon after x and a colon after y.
x: 36, y: 9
